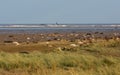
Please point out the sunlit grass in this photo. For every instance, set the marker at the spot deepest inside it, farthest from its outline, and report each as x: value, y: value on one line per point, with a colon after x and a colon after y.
x: 98, y: 58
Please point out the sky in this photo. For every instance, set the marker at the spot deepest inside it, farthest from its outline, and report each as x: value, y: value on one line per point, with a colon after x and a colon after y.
x: 60, y: 11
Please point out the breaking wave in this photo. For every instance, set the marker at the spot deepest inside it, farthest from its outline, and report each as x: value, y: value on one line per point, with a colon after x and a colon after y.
x: 58, y: 26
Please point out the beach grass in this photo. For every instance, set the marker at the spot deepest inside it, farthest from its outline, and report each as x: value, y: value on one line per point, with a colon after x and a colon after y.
x: 98, y: 58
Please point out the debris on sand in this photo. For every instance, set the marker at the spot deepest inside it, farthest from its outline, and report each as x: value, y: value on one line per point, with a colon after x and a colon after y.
x: 16, y: 43
x: 73, y: 45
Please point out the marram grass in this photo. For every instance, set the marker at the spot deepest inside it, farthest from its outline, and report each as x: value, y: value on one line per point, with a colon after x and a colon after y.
x: 99, y: 58
x: 58, y: 64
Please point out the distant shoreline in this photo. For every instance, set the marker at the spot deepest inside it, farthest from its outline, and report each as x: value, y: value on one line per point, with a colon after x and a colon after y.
x: 94, y: 26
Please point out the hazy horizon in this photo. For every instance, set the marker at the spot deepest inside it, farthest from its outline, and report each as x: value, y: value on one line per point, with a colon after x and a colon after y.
x: 61, y: 24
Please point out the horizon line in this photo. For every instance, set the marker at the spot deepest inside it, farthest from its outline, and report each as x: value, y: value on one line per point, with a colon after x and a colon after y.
x: 61, y: 24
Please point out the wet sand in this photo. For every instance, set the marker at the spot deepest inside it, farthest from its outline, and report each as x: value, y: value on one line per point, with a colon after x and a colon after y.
x: 25, y: 42
x: 55, y: 36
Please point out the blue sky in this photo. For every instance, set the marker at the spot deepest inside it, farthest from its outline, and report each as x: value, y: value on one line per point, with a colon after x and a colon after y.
x: 61, y: 11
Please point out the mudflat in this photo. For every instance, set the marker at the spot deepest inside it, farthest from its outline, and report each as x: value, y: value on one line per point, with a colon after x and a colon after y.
x: 41, y: 41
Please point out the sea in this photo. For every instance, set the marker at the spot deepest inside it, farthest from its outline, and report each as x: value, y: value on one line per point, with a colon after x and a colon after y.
x: 36, y: 28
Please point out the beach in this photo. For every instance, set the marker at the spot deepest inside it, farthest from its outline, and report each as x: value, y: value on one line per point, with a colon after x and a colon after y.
x: 37, y: 36
x: 26, y: 51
